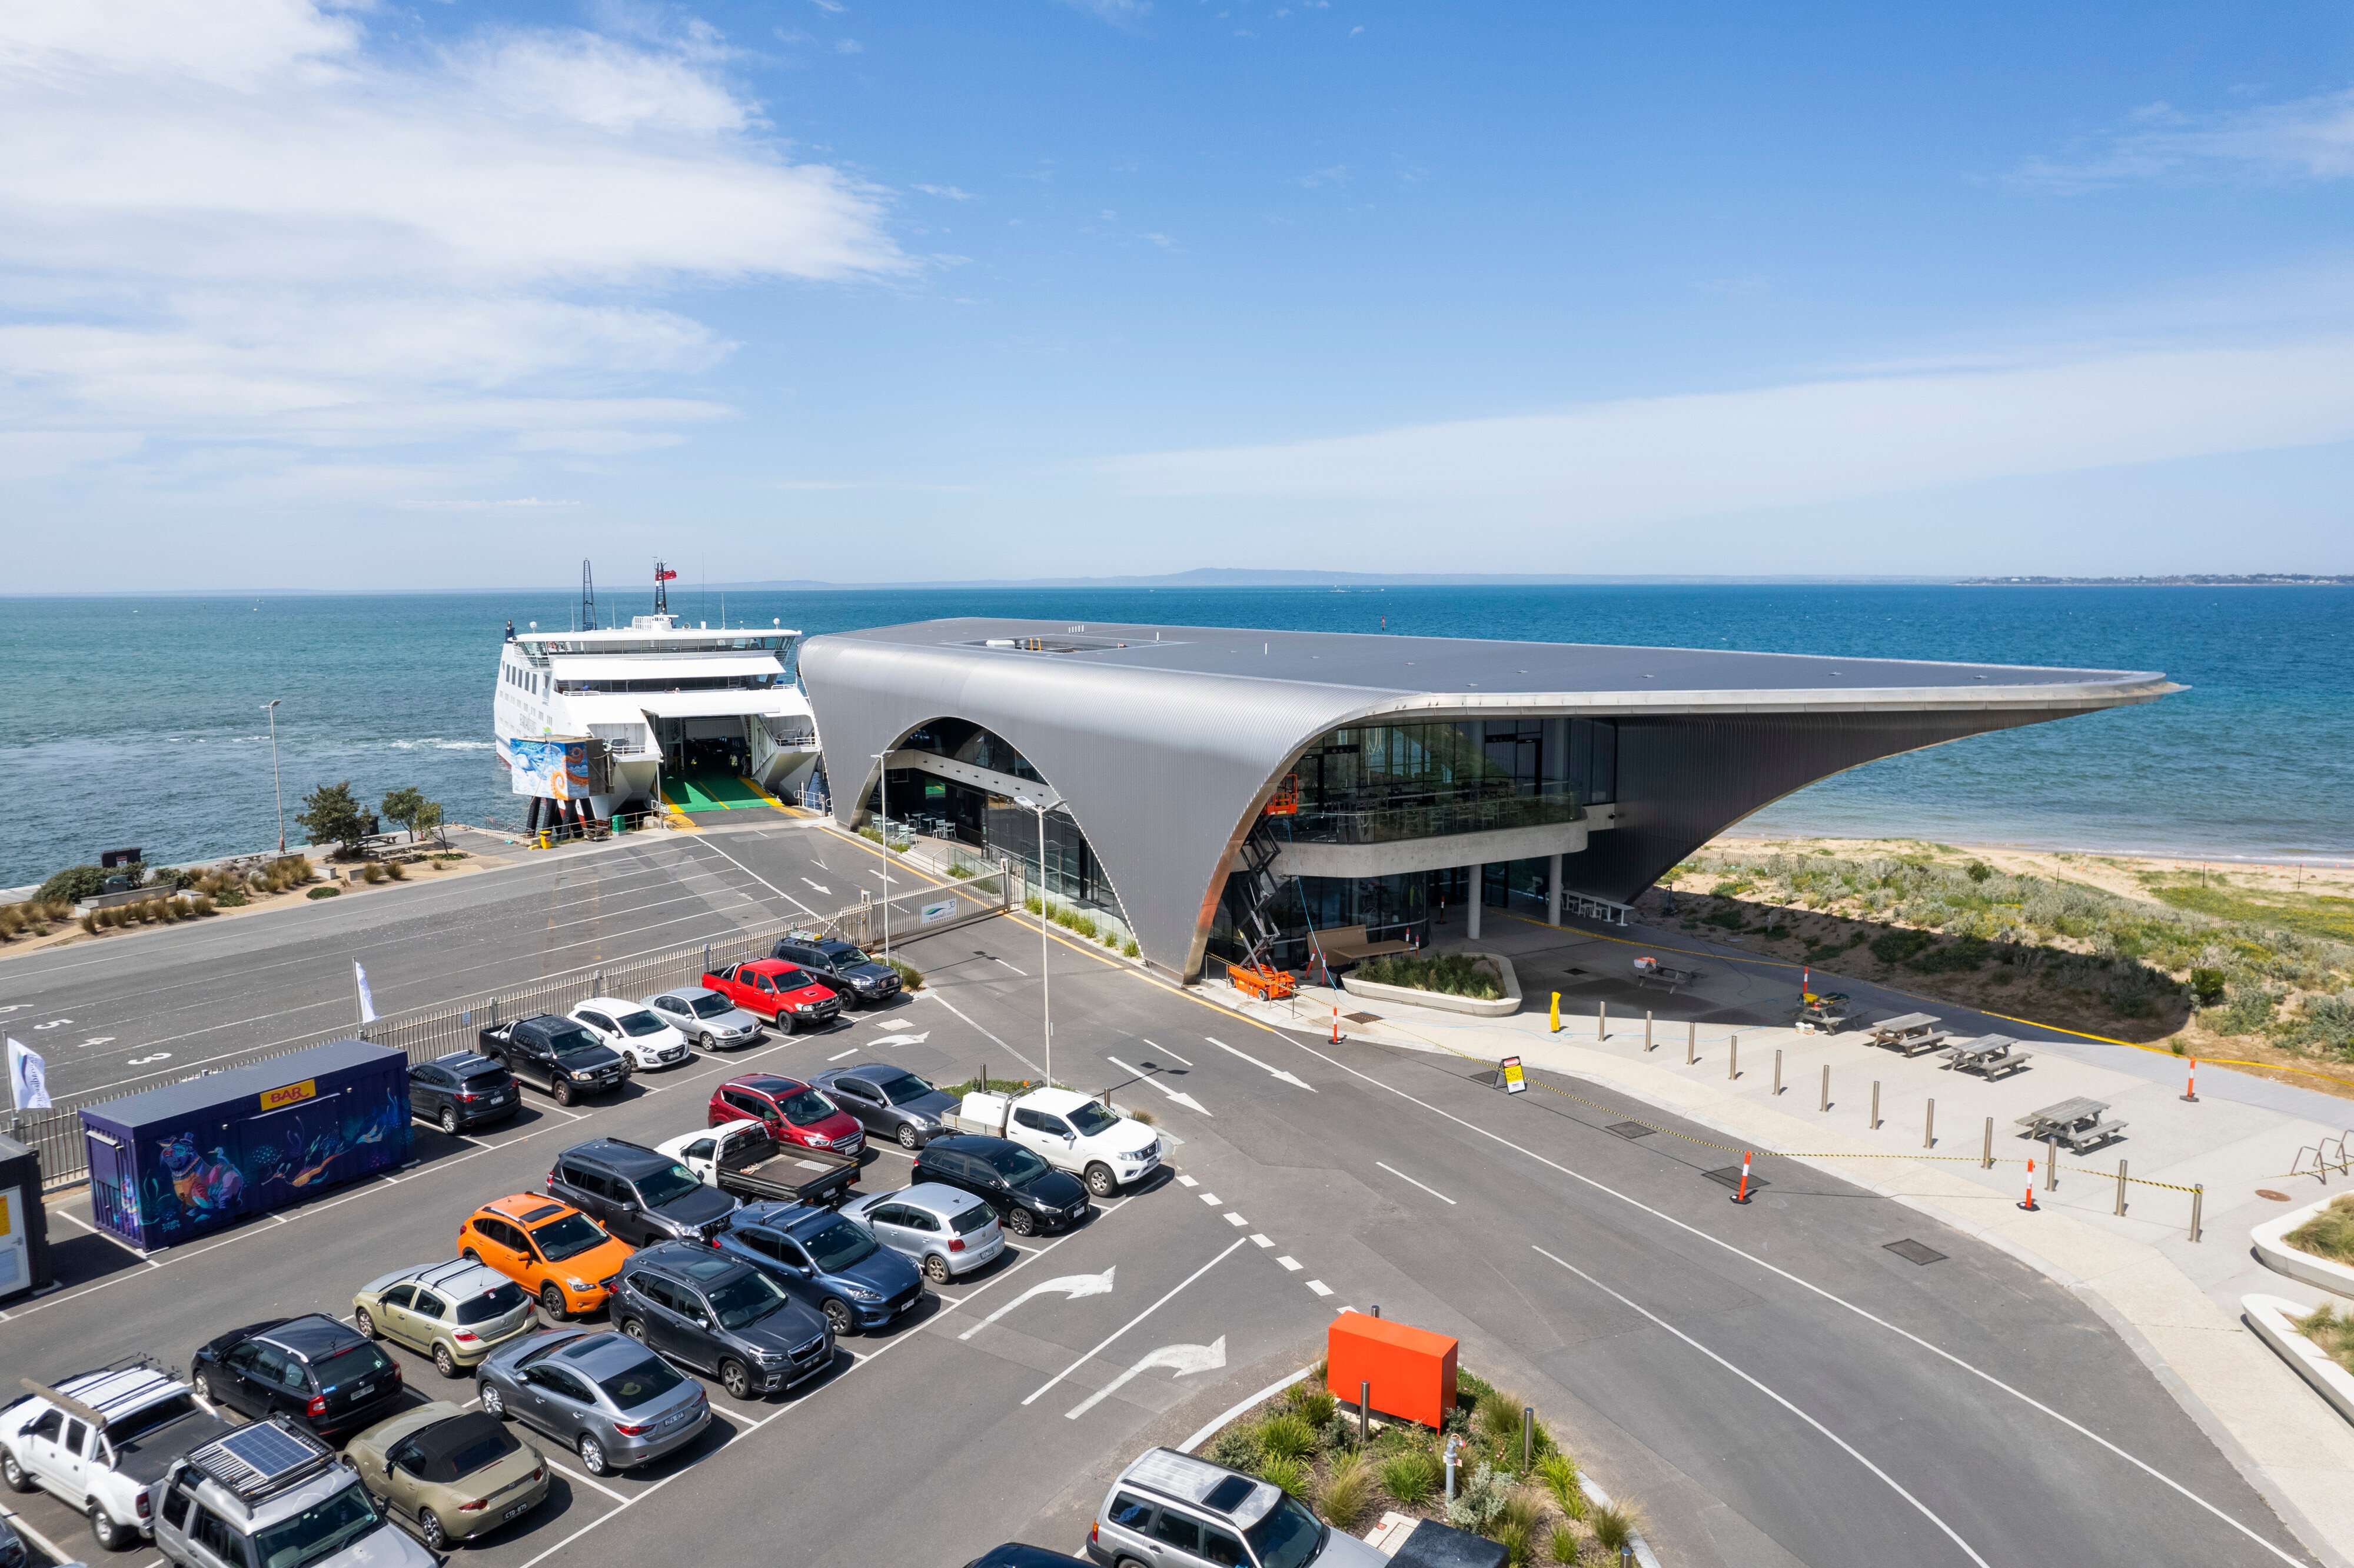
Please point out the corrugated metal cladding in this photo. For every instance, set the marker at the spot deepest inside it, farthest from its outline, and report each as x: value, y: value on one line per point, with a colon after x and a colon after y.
x: 1164, y: 752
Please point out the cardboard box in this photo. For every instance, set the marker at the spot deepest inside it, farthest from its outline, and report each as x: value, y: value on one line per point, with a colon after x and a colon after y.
x: 1412, y: 1370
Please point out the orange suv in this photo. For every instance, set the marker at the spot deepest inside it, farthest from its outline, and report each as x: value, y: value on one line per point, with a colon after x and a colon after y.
x: 551, y: 1249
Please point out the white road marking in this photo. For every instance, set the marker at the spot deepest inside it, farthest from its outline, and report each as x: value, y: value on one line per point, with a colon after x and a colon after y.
x: 1210, y: 1198
x: 1187, y: 1182
x: 840, y: 1054
x: 1072, y: 1286
x: 820, y: 887
x: 1404, y: 1177
x: 1852, y: 1452
x: 1144, y: 1077
x: 755, y: 877
x: 584, y: 1480
x: 1132, y: 1322
x: 934, y: 994
x: 1291, y: 1265
x: 1187, y: 1358
x: 1257, y: 1240
x: 1235, y: 1220
x: 36, y: 1536
x: 1319, y: 1286
x: 1804, y: 1284
x: 1024, y: 973
x: 1168, y: 1052
x: 1262, y: 1066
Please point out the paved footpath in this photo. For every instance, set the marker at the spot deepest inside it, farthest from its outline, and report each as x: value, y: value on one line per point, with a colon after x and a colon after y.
x: 2175, y: 1301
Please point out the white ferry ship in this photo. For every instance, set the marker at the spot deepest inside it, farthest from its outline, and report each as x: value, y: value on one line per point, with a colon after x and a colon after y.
x: 596, y: 722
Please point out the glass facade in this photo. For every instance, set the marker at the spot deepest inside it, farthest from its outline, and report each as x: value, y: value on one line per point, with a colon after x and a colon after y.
x: 1384, y: 783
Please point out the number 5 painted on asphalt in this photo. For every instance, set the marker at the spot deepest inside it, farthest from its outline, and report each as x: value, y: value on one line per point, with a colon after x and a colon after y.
x: 54, y: 1023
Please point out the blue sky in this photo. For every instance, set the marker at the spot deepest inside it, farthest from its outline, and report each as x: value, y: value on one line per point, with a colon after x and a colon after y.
x: 452, y: 294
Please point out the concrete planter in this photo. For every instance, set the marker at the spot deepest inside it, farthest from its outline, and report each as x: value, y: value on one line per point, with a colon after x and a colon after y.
x: 2275, y: 1320
x: 1503, y: 1006
x: 2276, y: 1254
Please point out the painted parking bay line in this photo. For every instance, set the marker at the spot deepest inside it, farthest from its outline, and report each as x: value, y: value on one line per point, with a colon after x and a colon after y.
x: 1132, y: 1322
x: 1404, y: 1177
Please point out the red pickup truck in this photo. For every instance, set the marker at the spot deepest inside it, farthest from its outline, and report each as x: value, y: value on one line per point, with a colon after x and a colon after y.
x: 777, y: 991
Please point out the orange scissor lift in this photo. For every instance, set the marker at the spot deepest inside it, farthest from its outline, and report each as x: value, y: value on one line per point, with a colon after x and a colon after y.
x: 1262, y: 979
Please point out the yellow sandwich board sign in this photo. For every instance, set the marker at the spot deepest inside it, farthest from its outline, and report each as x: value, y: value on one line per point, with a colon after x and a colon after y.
x: 1516, y: 1081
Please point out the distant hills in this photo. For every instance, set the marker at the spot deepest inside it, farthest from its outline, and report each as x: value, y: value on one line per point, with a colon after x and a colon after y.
x: 2185, y: 579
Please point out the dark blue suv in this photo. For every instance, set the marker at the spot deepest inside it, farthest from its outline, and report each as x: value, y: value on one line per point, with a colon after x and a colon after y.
x: 824, y: 1259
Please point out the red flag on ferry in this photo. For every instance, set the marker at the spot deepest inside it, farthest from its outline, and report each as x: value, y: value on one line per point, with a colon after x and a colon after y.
x: 664, y: 576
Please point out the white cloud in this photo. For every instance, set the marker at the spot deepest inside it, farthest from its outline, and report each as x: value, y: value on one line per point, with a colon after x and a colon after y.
x: 849, y: 47
x: 1640, y: 460
x: 946, y: 193
x: 2311, y: 138
x: 1122, y: 13
x: 241, y: 221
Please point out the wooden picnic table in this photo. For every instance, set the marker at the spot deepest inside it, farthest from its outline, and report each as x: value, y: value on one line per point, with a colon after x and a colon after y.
x: 2078, y: 1123
x: 1910, y: 1033
x: 1994, y: 1056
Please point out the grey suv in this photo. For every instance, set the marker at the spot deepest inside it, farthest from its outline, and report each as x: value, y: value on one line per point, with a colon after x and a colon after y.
x: 272, y: 1493
x: 638, y: 1193
x: 720, y: 1315
x: 609, y: 1399
x: 842, y: 969
x: 889, y: 1101
x: 1169, y: 1509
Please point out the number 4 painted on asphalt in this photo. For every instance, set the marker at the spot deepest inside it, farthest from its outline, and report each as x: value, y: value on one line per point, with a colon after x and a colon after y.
x: 95, y: 1040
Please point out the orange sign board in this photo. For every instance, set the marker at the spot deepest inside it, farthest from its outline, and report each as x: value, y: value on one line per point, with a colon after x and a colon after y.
x: 273, y: 1098
x: 1412, y: 1370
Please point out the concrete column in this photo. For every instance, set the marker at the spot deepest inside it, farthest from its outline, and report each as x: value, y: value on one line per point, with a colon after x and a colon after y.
x: 1553, y: 898
x: 1478, y: 897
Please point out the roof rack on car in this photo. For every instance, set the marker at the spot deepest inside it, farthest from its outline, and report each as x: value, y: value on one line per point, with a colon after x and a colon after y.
x: 257, y: 1462
x: 97, y: 1414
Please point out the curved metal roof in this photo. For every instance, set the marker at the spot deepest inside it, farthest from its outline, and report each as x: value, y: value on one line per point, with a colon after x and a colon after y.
x: 1165, y: 741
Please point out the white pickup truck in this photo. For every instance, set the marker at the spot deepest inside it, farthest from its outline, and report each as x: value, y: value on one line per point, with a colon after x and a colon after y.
x: 100, y: 1440
x: 1071, y: 1132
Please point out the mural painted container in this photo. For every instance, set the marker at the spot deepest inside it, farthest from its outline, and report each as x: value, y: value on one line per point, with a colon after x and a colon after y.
x: 183, y: 1162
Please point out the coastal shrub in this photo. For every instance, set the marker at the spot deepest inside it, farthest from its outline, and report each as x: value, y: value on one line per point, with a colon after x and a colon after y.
x: 2330, y: 1234
x: 2207, y: 986
x: 1450, y: 974
x: 910, y: 975
x: 90, y: 923
x: 1518, y: 1542
x: 1346, y: 1493
x: 1562, y: 1545
x: 1289, y: 1474
x: 1146, y: 1116
x: 1479, y: 1499
x: 72, y: 885
x: 1614, y: 1525
x: 331, y: 815
x: 1558, y: 1472
x: 372, y: 874
x: 2332, y: 1334
x: 1237, y: 1447
x: 392, y: 869
x: 1413, y: 1477
x: 1286, y: 1436
x: 1978, y: 871
x: 1896, y: 946
x: 329, y: 891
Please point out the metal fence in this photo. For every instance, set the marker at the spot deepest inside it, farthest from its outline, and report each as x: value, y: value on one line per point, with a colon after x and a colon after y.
x: 428, y: 1032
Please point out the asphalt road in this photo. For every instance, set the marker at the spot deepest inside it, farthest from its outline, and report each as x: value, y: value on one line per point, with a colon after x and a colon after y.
x: 1770, y: 1381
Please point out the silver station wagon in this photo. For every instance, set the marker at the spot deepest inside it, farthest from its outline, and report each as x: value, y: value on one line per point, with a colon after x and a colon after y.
x: 601, y: 1395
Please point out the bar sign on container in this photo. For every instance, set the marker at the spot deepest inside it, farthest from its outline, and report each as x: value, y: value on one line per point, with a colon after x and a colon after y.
x: 273, y: 1098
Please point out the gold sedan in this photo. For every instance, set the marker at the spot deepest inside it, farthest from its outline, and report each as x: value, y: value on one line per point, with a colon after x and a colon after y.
x: 451, y: 1473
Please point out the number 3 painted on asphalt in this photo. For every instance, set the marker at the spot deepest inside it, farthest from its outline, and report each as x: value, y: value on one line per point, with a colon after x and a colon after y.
x: 143, y: 1061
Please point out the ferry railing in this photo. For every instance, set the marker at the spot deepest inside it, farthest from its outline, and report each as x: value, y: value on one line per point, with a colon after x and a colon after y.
x: 424, y: 1034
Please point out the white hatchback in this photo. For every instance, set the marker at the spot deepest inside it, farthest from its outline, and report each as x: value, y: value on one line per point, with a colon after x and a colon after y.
x: 633, y: 1029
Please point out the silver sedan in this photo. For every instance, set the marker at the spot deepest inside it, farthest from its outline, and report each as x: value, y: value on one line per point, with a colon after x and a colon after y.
x: 603, y: 1395
x: 945, y: 1230
x: 706, y: 1018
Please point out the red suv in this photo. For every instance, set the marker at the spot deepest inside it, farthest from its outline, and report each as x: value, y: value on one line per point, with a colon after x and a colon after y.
x: 791, y: 1111
x: 777, y: 991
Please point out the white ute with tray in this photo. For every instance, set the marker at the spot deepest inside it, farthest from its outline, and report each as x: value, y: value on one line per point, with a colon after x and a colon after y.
x: 1071, y: 1132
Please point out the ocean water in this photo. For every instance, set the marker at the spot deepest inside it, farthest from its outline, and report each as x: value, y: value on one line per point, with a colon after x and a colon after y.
x: 140, y: 720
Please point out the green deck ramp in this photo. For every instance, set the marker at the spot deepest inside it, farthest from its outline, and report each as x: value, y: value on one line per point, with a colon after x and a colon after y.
x: 710, y: 791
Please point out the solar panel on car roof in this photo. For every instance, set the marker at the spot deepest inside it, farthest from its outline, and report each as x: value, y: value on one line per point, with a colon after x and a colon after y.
x: 265, y: 1451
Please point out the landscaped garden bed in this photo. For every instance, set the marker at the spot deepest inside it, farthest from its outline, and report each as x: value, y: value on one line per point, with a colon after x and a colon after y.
x: 2330, y: 1235
x: 1306, y: 1442
x: 1450, y: 974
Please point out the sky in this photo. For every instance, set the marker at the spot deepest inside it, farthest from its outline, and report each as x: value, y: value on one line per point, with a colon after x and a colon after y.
x: 308, y: 294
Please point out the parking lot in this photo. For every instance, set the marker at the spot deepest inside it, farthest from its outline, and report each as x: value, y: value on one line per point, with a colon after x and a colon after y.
x: 1725, y: 1366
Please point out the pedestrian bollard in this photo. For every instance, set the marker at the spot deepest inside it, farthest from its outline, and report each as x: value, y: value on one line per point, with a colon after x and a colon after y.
x: 1732, y: 1059
x: 1986, y: 1157
x: 1777, y: 1072
x: 2198, y: 1199
x: 1647, y: 1029
x: 2191, y: 1083
x: 1929, y: 1126
x: 1454, y: 1448
x: 1601, y: 1021
x: 1528, y: 1436
x: 1365, y: 1412
x: 2028, y: 1202
x: 2050, y: 1164
x: 1626, y: 1555
x: 1875, y: 1105
x: 2121, y: 1186
x: 1557, y: 1012
x: 1692, y: 1043
x: 1826, y: 1087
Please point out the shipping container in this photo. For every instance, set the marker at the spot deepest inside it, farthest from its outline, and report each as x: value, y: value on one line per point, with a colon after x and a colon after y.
x: 193, y: 1158
x: 23, y: 1223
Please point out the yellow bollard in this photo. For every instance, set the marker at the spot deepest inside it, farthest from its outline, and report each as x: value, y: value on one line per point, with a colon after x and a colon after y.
x: 1557, y: 1012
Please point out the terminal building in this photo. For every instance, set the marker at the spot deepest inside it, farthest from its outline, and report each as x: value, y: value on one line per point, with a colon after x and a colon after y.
x: 1284, y: 797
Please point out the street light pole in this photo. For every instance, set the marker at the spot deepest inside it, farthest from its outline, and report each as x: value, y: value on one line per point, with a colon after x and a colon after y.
x: 882, y: 786
x: 1045, y: 949
x: 270, y: 707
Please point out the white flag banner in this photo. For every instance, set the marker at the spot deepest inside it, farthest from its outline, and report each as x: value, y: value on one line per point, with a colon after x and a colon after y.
x: 28, y: 1079
x: 368, y: 1002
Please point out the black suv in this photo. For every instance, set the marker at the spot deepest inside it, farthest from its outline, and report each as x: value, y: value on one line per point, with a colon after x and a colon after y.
x: 842, y: 969
x: 717, y: 1315
x: 1028, y: 1194
x: 639, y: 1194
x: 313, y: 1370
x: 463, y: 1089
x: 556, y: 1053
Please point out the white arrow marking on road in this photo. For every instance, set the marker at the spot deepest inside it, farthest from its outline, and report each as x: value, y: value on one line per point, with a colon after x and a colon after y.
x: 820, y: 887
x: 901, y: 1039
x: 1271, y: 1072
x: 1188, y: 1101
x: 1187, y: 1358
x: 1071, y: 1285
